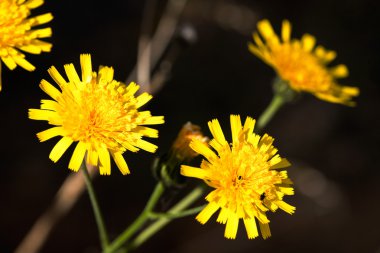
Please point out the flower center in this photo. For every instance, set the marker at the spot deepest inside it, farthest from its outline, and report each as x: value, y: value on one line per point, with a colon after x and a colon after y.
x: 100, y: 115
x: 243, y: 174
x: 302, y: 69
x: 12, y: 28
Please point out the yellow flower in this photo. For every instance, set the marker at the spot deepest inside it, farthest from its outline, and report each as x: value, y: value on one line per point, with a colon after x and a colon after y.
x: 99, y: 113
x: 16, y: 32
x: 301, y: 64
x: 247, y: 175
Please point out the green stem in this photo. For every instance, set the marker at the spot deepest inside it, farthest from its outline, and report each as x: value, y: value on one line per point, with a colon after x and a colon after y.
x: 140, y: 221
x: 95, y: 206
x: 160, y: 223
x: 276, y: 103
x: 181, y: 214
x: 283, y: 93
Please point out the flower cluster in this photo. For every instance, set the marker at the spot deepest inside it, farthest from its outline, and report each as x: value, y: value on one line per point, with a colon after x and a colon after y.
x: 247, y: 175
x: 99, y: 113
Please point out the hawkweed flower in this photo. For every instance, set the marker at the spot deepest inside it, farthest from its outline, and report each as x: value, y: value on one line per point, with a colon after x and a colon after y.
x: 302, y: 65
x: 247, y: 175
x: 17, y: 33
x: 99, y: 113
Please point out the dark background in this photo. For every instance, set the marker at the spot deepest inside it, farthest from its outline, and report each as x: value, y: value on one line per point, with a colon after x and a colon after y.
x: 333, y: 148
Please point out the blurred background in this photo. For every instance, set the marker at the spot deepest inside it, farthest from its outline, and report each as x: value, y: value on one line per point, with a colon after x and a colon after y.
x: 205, y: 72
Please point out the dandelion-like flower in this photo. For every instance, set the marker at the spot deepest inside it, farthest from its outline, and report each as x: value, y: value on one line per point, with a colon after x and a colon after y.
x: 247, y: 175
x: 99, y: 113
x: 301, y: 64
x: 17, y: 33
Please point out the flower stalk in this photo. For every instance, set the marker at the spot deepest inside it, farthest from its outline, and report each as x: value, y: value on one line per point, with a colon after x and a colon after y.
x: 139, y: 222
x: 103, y: 235
x: 178, y: 209
x: 282, y: 95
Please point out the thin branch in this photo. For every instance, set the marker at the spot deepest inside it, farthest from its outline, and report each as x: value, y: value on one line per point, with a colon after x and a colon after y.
x: 144, y: 46
x: 164, y: 33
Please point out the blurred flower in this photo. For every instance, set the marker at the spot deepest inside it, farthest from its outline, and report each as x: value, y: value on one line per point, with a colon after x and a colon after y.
x: 301, y: 64
x: 101, y: 114
x: 167, y: 167
x: 180, y: 148
x: 247, y: 175
x: 16, y: 32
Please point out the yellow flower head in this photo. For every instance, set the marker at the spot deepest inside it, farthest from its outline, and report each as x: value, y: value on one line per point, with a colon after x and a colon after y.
x: 99, y: 113
x: 247, y: 175
x: 301, y: 64
x: 16, y: 32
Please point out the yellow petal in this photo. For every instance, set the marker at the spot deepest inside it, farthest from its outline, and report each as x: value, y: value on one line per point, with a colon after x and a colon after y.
x: 147, y: 146
x: 106, y: 73
x: 325, y: 56
x: 207, y: 212
x: 350, y: 91
x: 266, y: 30
x: 285, y: 206
x: 92, y: 156
x: 24, y: 63
x: 44, y: 46
x: 86, y: 67
x: 131, y: 89
x: 32, y: 4
x: 41, y: 33
x: 235, y: 127
x: 105, y: 162
x: 282, y: 164
x: 216, y: 131
x: 78, y: 156
x: 223, y: 216
x: 308, y: 42
x: 30, y: 48
x: 50, y: 133
x: 72, y: 73
x: 154, y: 120
x: 120, y: 162
x: 250, y: 226
x: 202, y: 148
x: 286, y: 30
x: 249, y: 125
x: 339, y: 71
x: 9, y: 62
x: 287, y: 190
x: 143, y: 99
x: 335, y: 99
x: 49, y: 89
x: 265, y: 230
x: 60, y: 148
x: 146, y: 131
x: 53, y: 72
x: 231, y: 226
x: 190, y: 171
x: 259, y: 53
x: 40, y: 19
x: 38, y: 114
